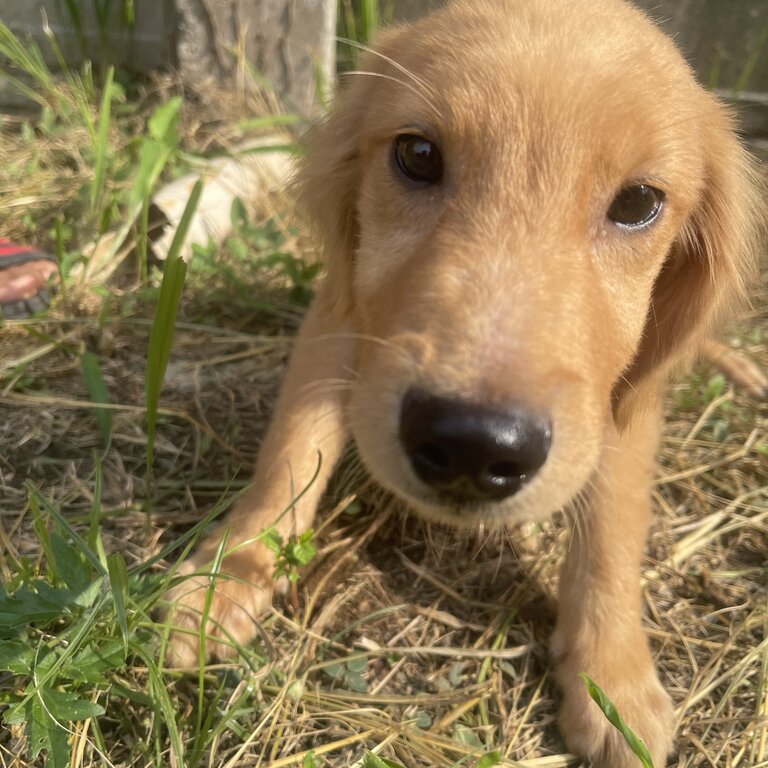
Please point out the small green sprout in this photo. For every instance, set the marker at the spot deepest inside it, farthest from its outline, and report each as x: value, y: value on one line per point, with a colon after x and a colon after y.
x: 289, y: 555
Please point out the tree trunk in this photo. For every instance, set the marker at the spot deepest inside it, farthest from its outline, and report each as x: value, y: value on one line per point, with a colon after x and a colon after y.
x: 290, y: 43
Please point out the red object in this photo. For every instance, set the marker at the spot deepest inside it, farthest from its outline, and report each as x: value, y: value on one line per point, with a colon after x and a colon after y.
x: 12, y: 255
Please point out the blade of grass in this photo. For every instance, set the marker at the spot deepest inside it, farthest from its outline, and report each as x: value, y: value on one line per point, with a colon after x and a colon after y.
x: 369, y: 20
x: 81, y: 92
x: 38, y: 502
x: 215, y: 571
x: 95, y: 544
x: 754, y: 54
x: 129, y: 12
x: 76, y: 23
x: 608, y: 708
x: 161, y: 334
x: 101, y: 144
x: 97, y: 389
x: 28, y: 59
x: 482, y: 674
x: 58, y: 230
x: 156, y: 150
x: 347, y: 31
x: 164, y: 707
x: 118, y: 582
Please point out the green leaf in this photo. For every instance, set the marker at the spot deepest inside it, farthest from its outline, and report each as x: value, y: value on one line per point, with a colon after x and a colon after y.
x: 48, y: 713
x: 488, y: 760
x: 67, y: 706
x: 156, y: 150
x: 272, y: 540
x: 26, y: 606
x: 715, y: 386
x: 374, y: 761
x: 16, y: 657
x: 614, y: 718
x: 301, y: 550
x: 467, y: 736
x: 335, y: 671
x: 423, y: 720
x: 44, y: 733
x: 158, y: 690
x: 27, y: 57
x: 67, y: 598
x: 720, y: 429
x: 163, y: 123
x: 355, y: 669
x: 89, y: 664
x: 68, y: 565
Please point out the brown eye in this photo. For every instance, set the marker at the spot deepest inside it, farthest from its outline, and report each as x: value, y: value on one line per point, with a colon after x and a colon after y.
x: 636, y: 206
x: 418, y: 159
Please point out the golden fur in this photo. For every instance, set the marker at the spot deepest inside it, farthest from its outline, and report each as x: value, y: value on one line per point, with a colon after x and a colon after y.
x: 506, y: 283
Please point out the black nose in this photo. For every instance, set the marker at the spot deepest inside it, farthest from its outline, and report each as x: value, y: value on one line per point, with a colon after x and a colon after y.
x: 470, y: 451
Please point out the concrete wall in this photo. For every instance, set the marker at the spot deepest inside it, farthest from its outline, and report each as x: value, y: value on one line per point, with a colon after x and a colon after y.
x: 144, y: 46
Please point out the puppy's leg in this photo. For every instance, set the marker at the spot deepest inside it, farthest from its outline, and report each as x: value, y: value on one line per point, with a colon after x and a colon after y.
x: 599, y: 617
x: 308, y: 427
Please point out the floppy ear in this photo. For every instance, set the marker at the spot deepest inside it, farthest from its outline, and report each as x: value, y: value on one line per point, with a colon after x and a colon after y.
x: 709, y: 267
x: 328, y: 184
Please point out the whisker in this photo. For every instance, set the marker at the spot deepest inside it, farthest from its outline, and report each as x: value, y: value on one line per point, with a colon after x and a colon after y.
x: 389, y: 60
x: 351, y: 335
x: 408, y: 86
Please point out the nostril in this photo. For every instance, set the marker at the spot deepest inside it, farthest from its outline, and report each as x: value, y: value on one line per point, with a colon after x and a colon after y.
x: 432, y: 455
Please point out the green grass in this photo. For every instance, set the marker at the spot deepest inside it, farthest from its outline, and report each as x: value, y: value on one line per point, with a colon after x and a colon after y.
x: 357, y: 25
x: 110, y: 17
x: 161, y: 334
x: 95, y: 606
x: 74, y: 618
x: 614, y: 717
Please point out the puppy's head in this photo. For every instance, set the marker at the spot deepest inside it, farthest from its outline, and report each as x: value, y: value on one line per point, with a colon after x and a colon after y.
x: 529, y: 211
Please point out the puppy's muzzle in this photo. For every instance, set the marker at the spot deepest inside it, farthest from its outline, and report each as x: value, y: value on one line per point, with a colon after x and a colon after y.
x: 470, y: 452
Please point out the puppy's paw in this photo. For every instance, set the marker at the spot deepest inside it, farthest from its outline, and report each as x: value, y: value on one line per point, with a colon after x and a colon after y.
x: 639, y: 698
x: 233, y: 599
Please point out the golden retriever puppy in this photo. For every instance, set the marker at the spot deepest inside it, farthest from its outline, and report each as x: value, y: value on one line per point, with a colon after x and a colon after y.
x: 530, y: 213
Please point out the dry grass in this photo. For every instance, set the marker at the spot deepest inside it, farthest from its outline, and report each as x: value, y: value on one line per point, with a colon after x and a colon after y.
x: 425, y: 645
